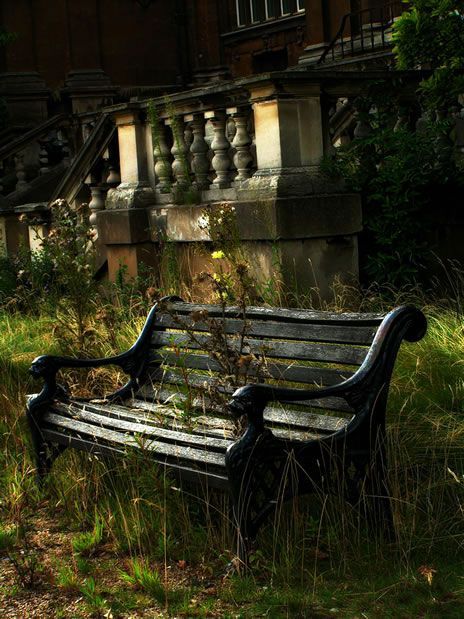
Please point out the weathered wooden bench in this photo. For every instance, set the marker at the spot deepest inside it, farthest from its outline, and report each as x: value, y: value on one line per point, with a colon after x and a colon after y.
x: 310, y: 416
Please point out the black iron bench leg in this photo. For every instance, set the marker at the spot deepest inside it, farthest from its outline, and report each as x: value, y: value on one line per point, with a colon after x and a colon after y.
x: 45, y: 453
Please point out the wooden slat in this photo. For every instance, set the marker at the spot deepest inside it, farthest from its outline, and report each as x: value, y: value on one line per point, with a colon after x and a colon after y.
x: 201, y: 381
x: 201, y: 424
x: 135, y: 427
x: 280, y: 314
x: 279, y: 371
x: 158, y: 449
x: 197, y: 476
x: 326, y: 332
x: 206, y: 428
x: 303, y: 351
x: 288, y: 417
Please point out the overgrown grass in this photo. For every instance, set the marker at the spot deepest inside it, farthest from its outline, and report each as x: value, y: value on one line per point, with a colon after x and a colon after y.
x: 314, y: 561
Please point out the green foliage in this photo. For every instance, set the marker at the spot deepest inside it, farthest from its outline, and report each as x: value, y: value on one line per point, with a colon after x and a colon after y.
x: 66, y: 578
x: 6, y: 37
x: 400, y: 172
x: 59, y: 276
x: 431, y: 35
x: 94, y: 600
x: 86, y: 543
x: 142, y: 576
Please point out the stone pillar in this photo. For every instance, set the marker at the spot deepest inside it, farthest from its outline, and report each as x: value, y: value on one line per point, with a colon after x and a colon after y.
x: 123, y: 226
x: 289, y: 140
x: 134, y: 190
x: 89, y: 90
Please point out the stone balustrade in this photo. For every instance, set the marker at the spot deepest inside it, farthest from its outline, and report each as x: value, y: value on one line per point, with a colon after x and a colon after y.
x: 254, y: 144
x: 27, y: 160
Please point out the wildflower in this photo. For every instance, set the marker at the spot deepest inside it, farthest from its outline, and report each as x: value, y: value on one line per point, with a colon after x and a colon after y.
x: 218, y: 255
x: 203, y: 222
x: 427, y: 572
x: 242, y: 268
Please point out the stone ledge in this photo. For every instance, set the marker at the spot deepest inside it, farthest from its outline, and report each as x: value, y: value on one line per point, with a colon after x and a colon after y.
x: 317, y: 216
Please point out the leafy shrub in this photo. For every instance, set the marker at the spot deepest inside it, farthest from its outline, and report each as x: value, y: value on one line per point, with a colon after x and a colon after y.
x: 400, y: 173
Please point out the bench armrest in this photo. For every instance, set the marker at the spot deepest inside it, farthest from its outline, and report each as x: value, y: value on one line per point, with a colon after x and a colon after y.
x: 405, y: 322
x: 132, y: 362
x: 251, y: 400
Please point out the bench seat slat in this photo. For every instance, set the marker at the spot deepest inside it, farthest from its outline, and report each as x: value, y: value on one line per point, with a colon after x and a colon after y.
x: 198, y: 476
x: 289, y: 331
x: 283, y: 422
x: 288, y: 418
x: 169, y: 451
x: 171, y: 436
x: 302, y: 351
x: 170, y: 380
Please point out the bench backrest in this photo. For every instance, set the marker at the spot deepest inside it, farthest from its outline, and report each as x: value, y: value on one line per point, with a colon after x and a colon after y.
x: 202, y: 350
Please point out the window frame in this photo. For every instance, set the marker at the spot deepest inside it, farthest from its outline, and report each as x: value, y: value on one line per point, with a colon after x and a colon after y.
x: 248, y: 13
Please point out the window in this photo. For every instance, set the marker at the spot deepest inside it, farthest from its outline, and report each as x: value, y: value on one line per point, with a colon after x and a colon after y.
x: 257, y: 11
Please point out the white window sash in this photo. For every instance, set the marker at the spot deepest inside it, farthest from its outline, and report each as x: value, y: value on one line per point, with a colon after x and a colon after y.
x: 239, y: 16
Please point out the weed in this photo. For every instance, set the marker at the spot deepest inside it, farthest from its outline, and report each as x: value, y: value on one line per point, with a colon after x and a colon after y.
x: 86, y: 543
x: 94, y: 600
x: 140, y: 575
x: 66, y: 578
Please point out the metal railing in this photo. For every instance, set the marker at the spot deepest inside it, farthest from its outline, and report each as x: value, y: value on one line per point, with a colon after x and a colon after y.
x: 363, y: 31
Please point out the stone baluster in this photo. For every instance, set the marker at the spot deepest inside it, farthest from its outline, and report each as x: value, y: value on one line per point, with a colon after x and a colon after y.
x: 242, y: 143
x: 443, y: 143
x: 403, y: 119
x: 180, y: 165
x: 43, y: 156
x: 96, y: 204
x: 65, y: 148
x: 199, y: 150
x: 423, y: 122
x: 20, y: 170
x: 220, y: 147
x: 188, y: 133
x: 113, y: 178
x: 162, y: 156
x: 363, y: 127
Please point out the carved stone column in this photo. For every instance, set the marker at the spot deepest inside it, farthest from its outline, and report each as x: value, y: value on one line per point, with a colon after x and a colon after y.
x: 199, y: 149
x: 179, y: 150
x: 21, y: 184
x: 43, y: 156
x: 162, y: 157
x: 220, y: 146
x: 96, y: 204
x: 242, y: 143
